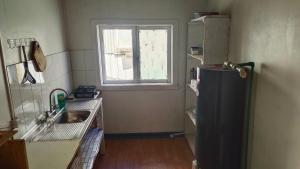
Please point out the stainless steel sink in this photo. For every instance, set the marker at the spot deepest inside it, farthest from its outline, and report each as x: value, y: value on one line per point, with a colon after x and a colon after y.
x: 66, y: 125
x: 72, y: 117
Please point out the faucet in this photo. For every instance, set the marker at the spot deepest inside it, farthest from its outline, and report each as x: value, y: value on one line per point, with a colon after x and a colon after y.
x: 53, y: 107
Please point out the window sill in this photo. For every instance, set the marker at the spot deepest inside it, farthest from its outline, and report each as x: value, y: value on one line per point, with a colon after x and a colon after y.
x: 141, y: 86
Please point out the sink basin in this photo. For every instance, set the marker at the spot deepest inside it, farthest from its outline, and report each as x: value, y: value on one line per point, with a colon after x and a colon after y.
x: 73, y: 117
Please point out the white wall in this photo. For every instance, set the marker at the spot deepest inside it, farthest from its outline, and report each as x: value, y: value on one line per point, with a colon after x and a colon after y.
x: 130, y: 111
x: 4, y: 109
x: 268, y: 33
x: 42, y: 20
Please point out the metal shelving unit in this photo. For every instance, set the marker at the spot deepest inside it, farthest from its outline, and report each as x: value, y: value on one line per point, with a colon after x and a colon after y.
x: 209, y: 33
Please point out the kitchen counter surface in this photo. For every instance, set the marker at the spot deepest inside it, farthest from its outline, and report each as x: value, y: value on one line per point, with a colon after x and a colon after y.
x: 57, y: 154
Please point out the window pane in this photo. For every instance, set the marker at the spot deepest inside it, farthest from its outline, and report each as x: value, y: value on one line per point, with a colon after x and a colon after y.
x: 154, y: 54
x: 118, y: 54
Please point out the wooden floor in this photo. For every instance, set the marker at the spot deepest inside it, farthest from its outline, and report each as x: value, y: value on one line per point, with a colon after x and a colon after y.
x: 150, y: 153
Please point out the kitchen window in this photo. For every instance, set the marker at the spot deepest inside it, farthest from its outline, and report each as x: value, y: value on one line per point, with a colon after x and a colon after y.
x: 135, y: 54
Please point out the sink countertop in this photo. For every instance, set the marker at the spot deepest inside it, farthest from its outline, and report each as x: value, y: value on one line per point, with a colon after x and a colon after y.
x: 54, y: 151
x: 71, y: 131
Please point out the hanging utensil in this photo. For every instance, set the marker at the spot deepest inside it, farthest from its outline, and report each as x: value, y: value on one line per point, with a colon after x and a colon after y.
x: 27, y: 75
x: 38, y: 57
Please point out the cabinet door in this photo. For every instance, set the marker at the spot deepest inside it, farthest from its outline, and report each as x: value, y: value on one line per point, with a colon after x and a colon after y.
x: 216, y: 36
x: 13, y: 155
x: 195, y: 35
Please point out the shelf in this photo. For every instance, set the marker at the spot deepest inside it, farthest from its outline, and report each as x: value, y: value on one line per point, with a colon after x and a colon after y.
x: 190, y: 130
x: 192, y: 116
x: 194, y: 89
x: 191, y: 141
x: 202, y: 18
x: 198, y: 57
x: 89, y: 149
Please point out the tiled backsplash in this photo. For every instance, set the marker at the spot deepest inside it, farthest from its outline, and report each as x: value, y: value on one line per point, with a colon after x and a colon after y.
x: 30, y: 100
x: 85, y: 67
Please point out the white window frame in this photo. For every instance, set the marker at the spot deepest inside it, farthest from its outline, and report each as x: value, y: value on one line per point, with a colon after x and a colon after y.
x: 136, y: 55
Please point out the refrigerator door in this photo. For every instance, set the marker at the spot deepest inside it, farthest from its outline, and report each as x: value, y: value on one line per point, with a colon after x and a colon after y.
x: 220, y: 119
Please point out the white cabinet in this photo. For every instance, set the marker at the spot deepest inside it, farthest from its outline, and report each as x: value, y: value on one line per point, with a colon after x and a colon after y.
x: 210, y: 34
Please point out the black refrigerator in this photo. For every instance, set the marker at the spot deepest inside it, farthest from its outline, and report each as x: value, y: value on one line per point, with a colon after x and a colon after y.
x: 221, y: 119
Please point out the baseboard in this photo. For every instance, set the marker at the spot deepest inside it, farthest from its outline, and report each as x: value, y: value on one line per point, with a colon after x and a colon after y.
x: 141, y: 135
